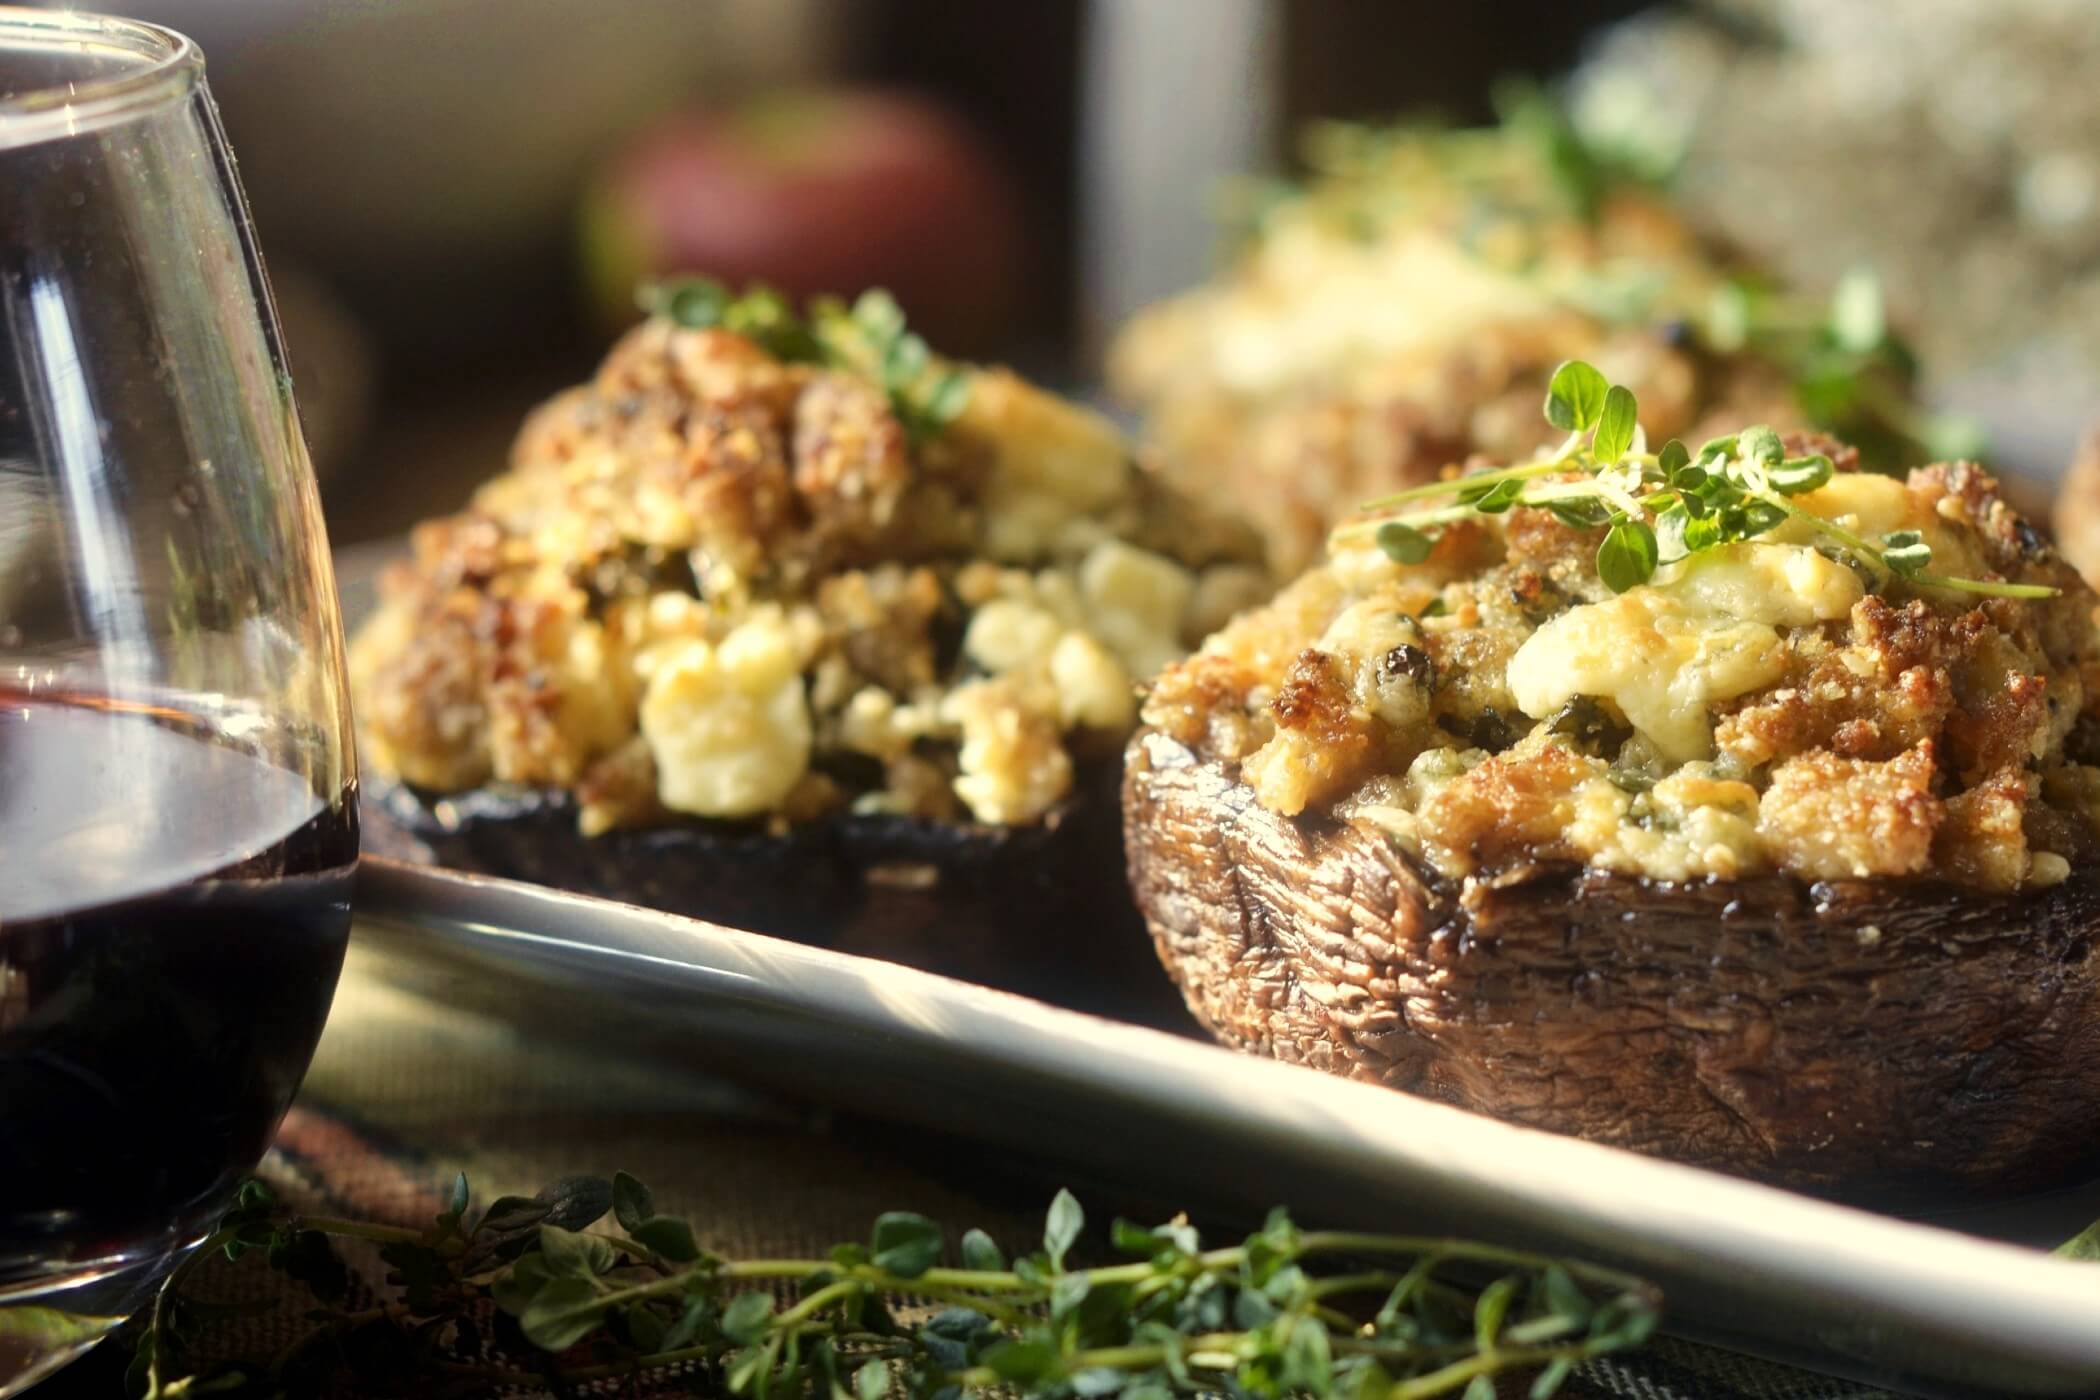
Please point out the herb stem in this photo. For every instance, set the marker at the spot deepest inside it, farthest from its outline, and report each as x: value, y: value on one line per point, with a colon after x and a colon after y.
x: 1428, y: 491
x: 1989, y: 588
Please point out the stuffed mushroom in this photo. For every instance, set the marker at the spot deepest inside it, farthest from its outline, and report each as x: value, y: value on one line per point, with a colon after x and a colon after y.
x: 1737, y: 807
x: 792, y: 626
x: 1403, y: 307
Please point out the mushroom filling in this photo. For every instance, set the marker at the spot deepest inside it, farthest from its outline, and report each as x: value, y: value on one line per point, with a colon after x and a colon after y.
x: 1764, y: 705
x: 735, y: 578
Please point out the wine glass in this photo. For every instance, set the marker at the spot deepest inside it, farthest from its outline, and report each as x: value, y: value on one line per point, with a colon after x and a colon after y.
x: 177, y: 791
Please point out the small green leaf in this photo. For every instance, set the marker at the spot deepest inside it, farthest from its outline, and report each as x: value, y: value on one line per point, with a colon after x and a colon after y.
x: 1129, y: 1238
x: 645, y: 1330
x: 1575, y: 396
x: 1797, y: 475
x: 979, y: 1252
x: 1021, y: 1362
x: 905, y: 1244
x: 695, y: 303
x: 632, y: 1203
x: 569, y: 1254
x: 577, y: 1201
x: 1308, y: 1360
x: 947, y: 399
x: 1627, y: 557
x: 1582, y: 513
x: 744, y: 1320
x: 1670, y: 527
x: 509, y: 1213
x: 1672, y: 459
x: 1489, y: 1310
x: 1906, y: 552
x: 879, y: 316
x: 1760, y: 445
x: 905, y: 361
x: 1550, y: 1380
x: 1251, y: 1309
x: 872, y: 1381
x: 1061, y: 1226
x: 667, y: 1238
x: 749, y: 1370
x: 1716, y: 450
x: 688, y: 1325
x: 1756, y: 518
x: 1858, y: 319
x: 1616, y: 425
x: 562, y: 1314
x: 1403, y: 543
x: 515, y: 1289
x: 1564, y: 1295
x: 1067, y: 1293
x: 1492, y: 500
x: 455, y: 1203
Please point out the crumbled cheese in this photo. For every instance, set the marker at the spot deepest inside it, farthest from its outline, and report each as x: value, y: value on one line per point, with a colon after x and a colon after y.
x: 1093, y: 689
x: 1013, y: 767
x: 729, y: 725
x: 1008, y: 635
x: 1135, y: 601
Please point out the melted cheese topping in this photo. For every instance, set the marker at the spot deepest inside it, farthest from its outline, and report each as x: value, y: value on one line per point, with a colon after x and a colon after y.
x: 1706, y: 630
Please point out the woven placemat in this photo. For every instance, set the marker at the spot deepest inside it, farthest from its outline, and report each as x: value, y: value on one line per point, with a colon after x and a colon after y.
x: 405, y: 1092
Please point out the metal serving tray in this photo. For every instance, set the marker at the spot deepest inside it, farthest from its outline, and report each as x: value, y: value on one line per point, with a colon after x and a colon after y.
x: 1928, y: 1306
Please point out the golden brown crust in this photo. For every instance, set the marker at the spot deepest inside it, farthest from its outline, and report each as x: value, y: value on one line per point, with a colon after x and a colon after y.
x: 1871, y: 738
x: 746, y: 571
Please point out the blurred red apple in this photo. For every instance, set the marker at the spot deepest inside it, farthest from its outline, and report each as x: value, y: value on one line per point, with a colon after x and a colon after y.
x: 816, y: 193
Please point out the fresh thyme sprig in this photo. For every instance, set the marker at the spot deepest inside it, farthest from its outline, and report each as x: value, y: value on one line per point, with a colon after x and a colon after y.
x: 573, y: 1305
x: 870, y: 338
x: 1655, y: 508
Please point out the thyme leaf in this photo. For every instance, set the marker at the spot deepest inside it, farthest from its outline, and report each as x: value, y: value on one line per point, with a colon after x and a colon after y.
x: 869, y: 338
x: 1655, y: 508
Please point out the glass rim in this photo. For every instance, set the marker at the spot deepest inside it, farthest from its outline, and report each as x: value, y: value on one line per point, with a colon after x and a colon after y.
x: 168, y: 68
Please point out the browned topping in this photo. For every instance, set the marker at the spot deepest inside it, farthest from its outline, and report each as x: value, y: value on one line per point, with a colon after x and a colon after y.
x: 1853, y: 726
x: 719, y: 584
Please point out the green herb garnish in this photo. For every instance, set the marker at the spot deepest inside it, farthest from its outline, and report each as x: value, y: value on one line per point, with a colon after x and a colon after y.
x: 1655, y: 508
x: 870, y: 339
x: 511, y: 1298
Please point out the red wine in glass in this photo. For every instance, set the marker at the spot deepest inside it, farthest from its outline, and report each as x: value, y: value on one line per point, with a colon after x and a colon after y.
x: 172, y: 921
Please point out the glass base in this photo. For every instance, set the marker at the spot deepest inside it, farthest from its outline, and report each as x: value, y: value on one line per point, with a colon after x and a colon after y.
x: 55, y: 1318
